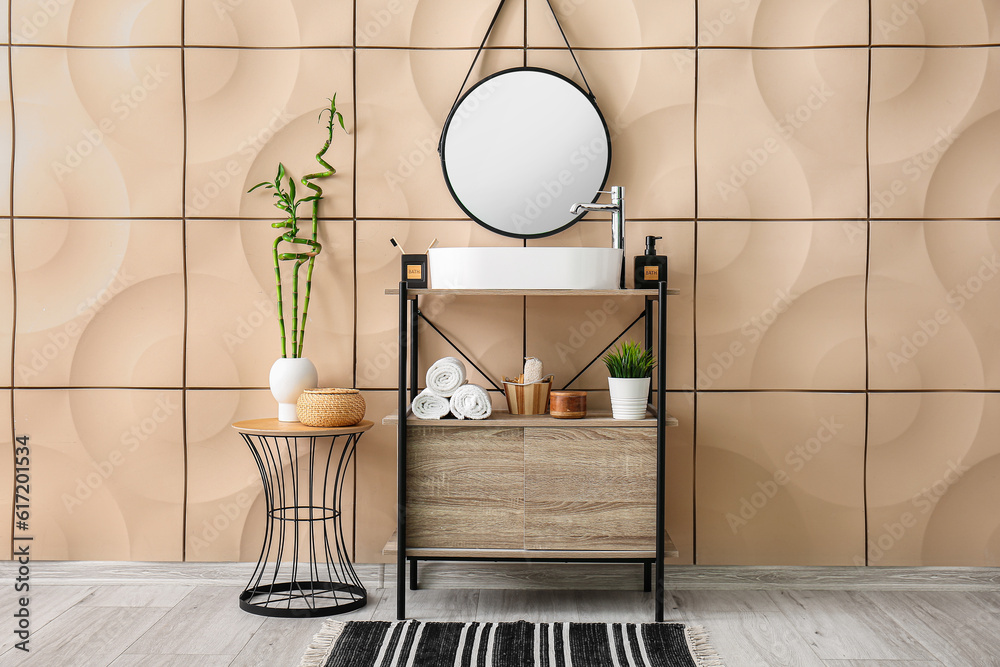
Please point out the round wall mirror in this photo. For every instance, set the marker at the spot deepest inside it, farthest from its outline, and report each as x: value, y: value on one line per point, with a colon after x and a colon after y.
x: 521, y: 147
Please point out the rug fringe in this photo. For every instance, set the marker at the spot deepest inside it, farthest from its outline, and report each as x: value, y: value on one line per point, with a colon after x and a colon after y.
x: 321, y: 644
x: 702, y: 650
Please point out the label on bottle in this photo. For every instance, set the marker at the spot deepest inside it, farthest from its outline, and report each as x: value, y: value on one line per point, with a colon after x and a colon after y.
x: 651, y: 272
x: 413, y: 272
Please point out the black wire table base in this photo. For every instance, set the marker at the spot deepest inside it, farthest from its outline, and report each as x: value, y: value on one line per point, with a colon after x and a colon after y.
x: 313, y: 598
x: 304, y: 569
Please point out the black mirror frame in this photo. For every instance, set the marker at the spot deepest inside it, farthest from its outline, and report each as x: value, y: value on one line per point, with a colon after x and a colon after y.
x: 444, y: 166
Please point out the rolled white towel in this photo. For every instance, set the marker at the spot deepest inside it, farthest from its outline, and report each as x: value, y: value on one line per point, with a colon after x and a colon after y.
x: 470, y: 401
x: 428, y: 405
x: 445, y: 376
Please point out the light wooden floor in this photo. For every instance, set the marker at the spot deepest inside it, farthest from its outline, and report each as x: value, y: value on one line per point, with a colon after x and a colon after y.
x: 130, y: 614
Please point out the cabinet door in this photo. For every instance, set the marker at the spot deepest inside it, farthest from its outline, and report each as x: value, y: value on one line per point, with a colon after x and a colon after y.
x: 465, y: 487
x: 589, y: 488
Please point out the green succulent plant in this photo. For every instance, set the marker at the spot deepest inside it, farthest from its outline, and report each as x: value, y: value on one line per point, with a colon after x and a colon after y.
x: 286, y: 202
x: 630, y: 361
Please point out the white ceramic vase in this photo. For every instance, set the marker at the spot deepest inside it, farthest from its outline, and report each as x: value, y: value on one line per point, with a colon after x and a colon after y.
x: 288, y: 379
x: 628, y: 397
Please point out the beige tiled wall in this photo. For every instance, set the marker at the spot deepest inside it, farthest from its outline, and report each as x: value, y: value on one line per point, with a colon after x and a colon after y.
x: 824, y: 175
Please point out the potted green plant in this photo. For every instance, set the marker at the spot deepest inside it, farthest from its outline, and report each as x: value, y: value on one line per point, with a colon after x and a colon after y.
x: 630, y: 368
x: 292, y: 373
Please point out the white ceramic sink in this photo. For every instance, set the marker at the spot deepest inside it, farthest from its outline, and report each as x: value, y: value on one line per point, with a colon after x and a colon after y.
x: 524, y: 268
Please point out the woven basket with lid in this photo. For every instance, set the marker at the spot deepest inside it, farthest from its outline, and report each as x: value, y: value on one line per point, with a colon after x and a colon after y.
x: 330, y: 407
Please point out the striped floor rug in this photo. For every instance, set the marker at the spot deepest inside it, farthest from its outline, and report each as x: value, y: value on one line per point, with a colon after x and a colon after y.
x: 519, y: 644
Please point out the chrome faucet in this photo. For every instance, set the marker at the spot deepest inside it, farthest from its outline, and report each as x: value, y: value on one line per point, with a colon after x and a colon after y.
x: 617, y: 208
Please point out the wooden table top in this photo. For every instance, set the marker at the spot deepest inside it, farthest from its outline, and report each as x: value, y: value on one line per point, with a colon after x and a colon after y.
x: 271, y: 426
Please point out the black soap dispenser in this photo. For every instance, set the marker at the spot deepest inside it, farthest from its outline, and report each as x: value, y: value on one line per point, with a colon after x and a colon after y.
x: 650, y: 268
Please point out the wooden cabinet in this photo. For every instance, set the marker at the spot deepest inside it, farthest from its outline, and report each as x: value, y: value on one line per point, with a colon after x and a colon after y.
x: 543, y: 491
x: 589, y: 488
x: 465, y: 488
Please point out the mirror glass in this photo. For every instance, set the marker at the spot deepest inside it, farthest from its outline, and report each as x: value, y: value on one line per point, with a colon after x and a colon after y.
x: 521, y: 147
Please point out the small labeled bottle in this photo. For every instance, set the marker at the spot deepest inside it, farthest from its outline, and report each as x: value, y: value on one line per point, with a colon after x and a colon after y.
x: 650, y: 268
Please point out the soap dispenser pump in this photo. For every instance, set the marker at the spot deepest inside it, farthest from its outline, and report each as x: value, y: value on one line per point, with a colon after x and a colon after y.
x: 650, y: 268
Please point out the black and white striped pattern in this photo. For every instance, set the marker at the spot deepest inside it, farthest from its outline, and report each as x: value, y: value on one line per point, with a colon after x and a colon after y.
x: 519, y: 644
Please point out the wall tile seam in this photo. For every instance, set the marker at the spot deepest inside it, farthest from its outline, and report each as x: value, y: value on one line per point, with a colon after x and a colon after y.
x: 593, y: 49
x: 868, y: 278
x: 186, y: 315
x: 224, y: 218
x: 92, y: 47
x: 102, y: 218
x: 915, y: 219
x: 679, y: 391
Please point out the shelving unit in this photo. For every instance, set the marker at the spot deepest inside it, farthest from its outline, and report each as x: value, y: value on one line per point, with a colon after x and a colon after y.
x: 601, y: 425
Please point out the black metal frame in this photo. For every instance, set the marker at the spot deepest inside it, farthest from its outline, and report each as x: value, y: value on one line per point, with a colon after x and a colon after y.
x: 330, y: 586
x: 647, y: 564
x: 408, y: 371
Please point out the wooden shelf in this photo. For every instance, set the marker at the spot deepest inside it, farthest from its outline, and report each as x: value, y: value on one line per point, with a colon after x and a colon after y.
x: 421, y: 291
x: 391, y: 548
x: 505, y: 419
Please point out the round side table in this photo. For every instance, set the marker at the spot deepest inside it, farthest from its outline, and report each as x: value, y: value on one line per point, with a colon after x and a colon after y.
x: 304, y: 569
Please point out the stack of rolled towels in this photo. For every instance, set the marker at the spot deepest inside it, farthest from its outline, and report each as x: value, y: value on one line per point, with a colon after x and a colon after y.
x: 448, y: 391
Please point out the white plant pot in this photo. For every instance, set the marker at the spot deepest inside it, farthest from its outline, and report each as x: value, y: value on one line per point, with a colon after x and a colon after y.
x: 288, y: 379
x: 628, y: 397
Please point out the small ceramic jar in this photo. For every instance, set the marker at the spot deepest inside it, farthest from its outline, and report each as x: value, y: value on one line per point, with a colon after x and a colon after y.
x: 568, y: 404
